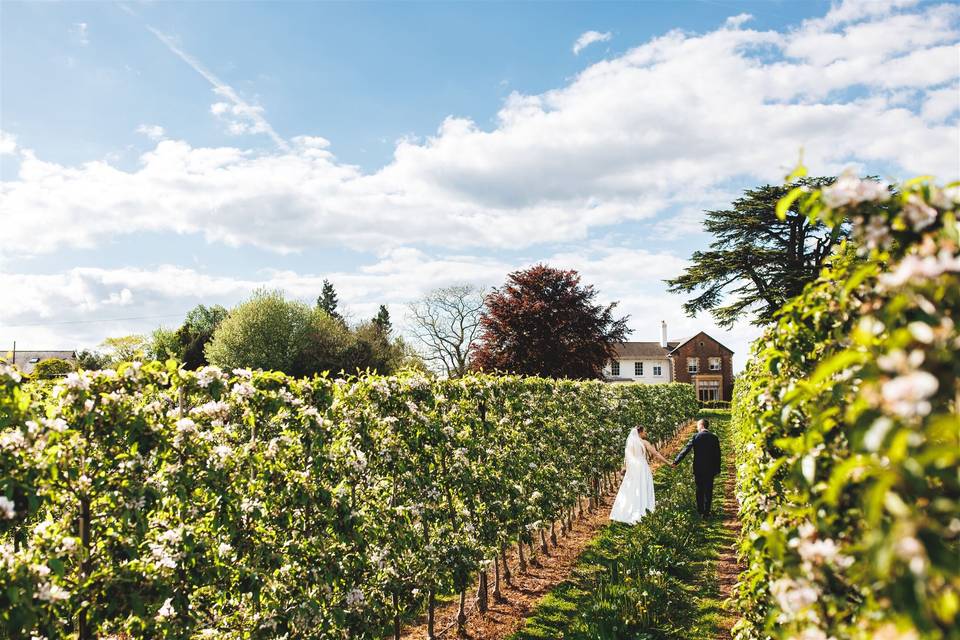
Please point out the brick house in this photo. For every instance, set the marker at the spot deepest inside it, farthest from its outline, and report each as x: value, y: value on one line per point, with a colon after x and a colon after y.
x: 698, y: 360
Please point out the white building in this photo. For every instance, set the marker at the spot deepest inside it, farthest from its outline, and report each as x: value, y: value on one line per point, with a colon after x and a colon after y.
x: 648, y: 362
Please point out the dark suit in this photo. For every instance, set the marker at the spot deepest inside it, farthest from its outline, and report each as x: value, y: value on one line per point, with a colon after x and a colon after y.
x: 706, y: 466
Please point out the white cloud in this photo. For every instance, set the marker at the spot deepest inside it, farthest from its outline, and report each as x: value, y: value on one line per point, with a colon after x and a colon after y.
x: 62, y: 306
x: 240, y: 116
x: 80, y: 31
x: 8, y: 143
x: 153, y: 131
x: 658, y: 130
x: 589, y: 37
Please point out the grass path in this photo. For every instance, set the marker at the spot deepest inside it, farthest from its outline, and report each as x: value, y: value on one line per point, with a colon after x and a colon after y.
x: 521, y: 599
x: 668, y: 577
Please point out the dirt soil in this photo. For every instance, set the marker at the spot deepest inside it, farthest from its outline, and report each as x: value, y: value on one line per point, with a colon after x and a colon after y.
x: 728, y: 568
x: 507, y: 616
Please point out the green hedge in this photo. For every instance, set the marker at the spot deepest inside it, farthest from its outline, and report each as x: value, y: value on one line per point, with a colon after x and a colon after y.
x: 847, y: 431
x: 166, y: 503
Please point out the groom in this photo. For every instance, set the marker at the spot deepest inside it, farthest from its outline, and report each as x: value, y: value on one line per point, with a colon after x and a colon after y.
x: 706, y: 464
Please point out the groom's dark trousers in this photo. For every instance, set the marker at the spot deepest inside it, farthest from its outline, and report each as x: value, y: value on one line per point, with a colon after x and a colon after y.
x: 706, y: 466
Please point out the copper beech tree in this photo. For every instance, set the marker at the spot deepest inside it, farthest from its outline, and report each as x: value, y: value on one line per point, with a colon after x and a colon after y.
x: 544, y: 322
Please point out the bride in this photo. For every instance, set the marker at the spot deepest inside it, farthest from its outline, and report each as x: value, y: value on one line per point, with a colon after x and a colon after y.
x: 636, y: 497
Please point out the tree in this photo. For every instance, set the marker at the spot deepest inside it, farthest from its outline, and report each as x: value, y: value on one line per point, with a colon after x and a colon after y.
x: 324, y: 345
x: 446, y: 322
x: 92, y: 360
x: 163, y: 345
x: 196, y: 331
x: 328, y: 300
x: 52, y: 368
x: 382, y: 320
x: 756, y: 260
x: 265, y: 332
x: 125, y: 348
x: 544, y: 322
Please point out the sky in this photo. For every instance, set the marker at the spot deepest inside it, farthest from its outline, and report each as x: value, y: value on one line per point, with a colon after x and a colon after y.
x: 155, y: 156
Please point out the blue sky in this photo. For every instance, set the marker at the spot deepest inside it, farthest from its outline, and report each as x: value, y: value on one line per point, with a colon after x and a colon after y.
x: 159, y: 155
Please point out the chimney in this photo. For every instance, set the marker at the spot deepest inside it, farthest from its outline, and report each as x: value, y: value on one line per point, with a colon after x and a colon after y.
x: 663, y: 334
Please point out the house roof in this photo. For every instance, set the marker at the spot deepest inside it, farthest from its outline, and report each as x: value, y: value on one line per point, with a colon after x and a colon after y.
x: 644, y: 349
x: 628, y: 350
x: 702, y: 333
x: 26, y: 361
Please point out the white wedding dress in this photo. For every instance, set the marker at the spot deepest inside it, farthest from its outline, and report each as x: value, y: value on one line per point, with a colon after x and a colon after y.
x: 635, y: 497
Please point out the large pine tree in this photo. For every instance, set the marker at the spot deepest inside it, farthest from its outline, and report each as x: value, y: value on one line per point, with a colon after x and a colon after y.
x: 544, y: 322
x: 756, y: 261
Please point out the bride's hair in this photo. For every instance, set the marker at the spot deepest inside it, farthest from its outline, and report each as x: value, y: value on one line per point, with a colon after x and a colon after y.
x: 641, y: 430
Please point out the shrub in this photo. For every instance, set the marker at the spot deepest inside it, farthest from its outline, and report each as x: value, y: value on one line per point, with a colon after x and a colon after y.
x: 847, y: 429
x: 159, y: 502
x: 52, y: 368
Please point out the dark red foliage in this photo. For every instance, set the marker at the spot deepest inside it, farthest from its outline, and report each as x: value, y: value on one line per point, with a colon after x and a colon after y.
x: 544, y: 322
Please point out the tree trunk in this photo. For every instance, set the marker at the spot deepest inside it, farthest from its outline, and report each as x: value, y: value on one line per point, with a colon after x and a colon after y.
x: 553, y: 533
x: 497, y: 594
x: 522, y: 560
x: 507, y: 576
x: 431, y: 606
x: 482, y: 591
x: 543, y: 543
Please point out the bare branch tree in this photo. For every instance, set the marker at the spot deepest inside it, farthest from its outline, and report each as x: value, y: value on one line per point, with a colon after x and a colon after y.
x: 446, y: 322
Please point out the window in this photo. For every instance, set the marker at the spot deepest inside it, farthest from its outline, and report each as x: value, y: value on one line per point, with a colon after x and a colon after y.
x: 715, y: 364
x: 708, y: 390
x: 638, y: 368
x: 693, y: 365
x: 615, y: 368
x: 657, y: 370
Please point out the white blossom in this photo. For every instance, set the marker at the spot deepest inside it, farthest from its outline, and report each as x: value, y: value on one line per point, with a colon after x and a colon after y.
x: 918, y: 213
x: 354, y: 597
x: 6, y: 508
x: 49, y: 592
x: 77, y: 380
x: 849, y: 189
x: 166, y: 611
x: 907, y: 395
x: 914, y: 268
x: 793, y: 596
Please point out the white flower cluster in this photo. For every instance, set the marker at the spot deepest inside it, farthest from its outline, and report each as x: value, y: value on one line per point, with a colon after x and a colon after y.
x: 908, y: 395
x: 849, y: 189
x: 794, y: 596
x: 166, y: 611
x: 164, y: 551
x: 916, y: 269
x: 354, y: 598
x: 6, y: 508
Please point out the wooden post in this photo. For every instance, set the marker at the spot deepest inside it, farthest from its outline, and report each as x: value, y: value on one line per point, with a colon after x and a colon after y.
x: 84, y: 631
x: 507, y: 576
x: 396, y: 618
x: 462, y: 613
x: 482, y: 596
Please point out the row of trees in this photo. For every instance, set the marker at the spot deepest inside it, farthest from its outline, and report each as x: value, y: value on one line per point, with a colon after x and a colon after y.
x: 542, y: 321
x: 268, y: 331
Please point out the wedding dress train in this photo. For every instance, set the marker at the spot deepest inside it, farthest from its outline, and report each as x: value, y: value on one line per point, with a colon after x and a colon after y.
x: 635, y: 497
